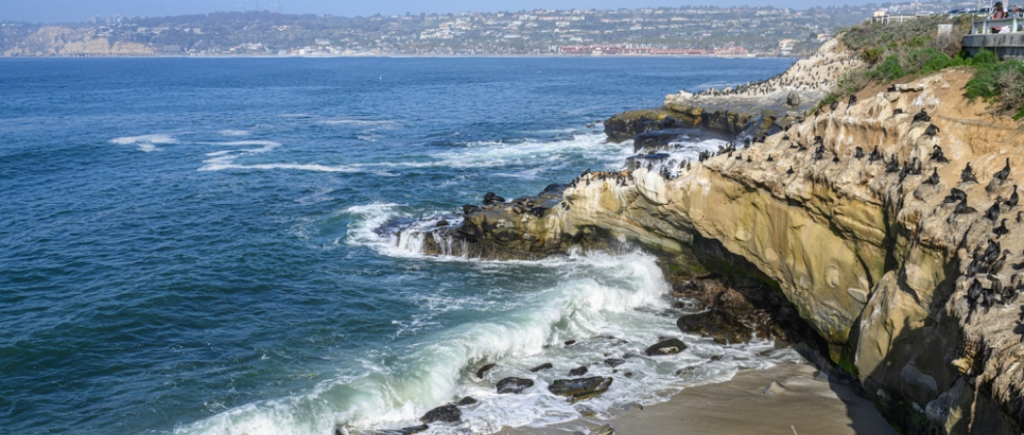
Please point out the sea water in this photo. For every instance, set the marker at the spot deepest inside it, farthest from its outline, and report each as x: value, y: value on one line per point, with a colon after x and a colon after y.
x: 210, y: 246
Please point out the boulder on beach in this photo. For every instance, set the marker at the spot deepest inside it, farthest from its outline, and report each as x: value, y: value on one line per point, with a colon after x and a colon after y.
x: 580, y: 388
x: 446, y: 413
x: 512, y: 385
x: 671, y: 346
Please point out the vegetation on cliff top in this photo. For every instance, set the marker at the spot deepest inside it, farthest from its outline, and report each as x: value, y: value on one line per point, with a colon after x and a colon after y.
x: 914, y: 48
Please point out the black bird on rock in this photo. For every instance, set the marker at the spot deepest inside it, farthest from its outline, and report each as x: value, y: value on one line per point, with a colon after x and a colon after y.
x: 789, y: 171
x: 875, y: 155
x: 896, y: 112
x: 934, y: 178
x: 851, y: 101
x: 963, y: 208
x: 1014, y: 198
x: 915, y: 167
x: 955, y: 196
x: 1003, y: 173
x: 893, y: 166
x: 922, y: 116
x: 770, y: 159
x: 992, y: 213
x: 937, y: 155
x: 858, y: 153
x: 835, y: 158
x: 1001, y: 230
x: 968, y: 174
x: 932, y: 130
x: 834, y: 105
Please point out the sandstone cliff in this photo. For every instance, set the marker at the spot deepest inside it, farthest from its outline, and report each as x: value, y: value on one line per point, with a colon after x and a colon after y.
x: 65, y: 41
x: 847, y: 212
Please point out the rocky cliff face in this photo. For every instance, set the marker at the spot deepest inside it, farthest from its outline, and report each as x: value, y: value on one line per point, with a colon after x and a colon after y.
x: 64, y: 41
x: 862, y: 215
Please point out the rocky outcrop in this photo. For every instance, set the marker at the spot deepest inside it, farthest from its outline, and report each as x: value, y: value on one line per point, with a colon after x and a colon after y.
x: 755, y: 110
x: 847, y: 213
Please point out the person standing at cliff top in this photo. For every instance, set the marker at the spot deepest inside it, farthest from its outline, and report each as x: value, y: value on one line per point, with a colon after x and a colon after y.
x: 998, y: 14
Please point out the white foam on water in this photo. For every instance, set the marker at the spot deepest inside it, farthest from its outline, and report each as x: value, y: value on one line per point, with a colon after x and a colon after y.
x: 152, y: 139
x: 590, y: 146
x: 364, y: 229
x: 148, y: 148
x: 612, y: 305
x: 234, y: 133
x: 358, y: 123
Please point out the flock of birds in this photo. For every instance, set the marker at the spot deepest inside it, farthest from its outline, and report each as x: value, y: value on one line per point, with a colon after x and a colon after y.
x: 804, y: 75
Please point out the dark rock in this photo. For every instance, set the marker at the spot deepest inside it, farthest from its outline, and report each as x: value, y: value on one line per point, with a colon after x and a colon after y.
x: 555, y: 188
x: 442, y: 223
x: 490, y: 199
x: 513, y: 385
x: 466, y: 401
x: 670, y: 122
x: 727, y: 319
x: 406, y: 430
x: 446, y: 413
x: 603, y: 430
x: 655, y: 140
x: 483, y: 370
x: 793, y: 99
x: 614, y: 362
x: 469, y: 209
x: 570, y: 342
x: 578, y: 371
x: 544, y: 366
x: 666, y: 347
x: 580, y: 388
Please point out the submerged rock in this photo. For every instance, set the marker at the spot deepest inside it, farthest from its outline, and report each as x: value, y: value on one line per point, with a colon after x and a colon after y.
x: 405, y: 430
x: 512, y: 385
x: 578, y: 371
x: 446, y: 413
x: 671, y: 346
x: 466, y: 401
x: 614, y: 362
x: 580, y: 388
x: 483, y: 370
x: 544, y: 366
x: 603, y: 430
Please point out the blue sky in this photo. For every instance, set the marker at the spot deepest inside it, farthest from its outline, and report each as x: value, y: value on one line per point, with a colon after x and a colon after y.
x: 81, y: 10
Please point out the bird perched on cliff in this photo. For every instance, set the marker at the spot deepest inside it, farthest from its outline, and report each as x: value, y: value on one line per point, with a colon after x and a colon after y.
x: 922, y: 116
x: 896, y: 112
x: 992, y: 213
x: 851, y: 101
x: 789, y: 171
x: 584, y: 174
x: 934, y: 178
x: 770, y: 159
x: 963, y: 208
x: 1014, y: 198
x: 967, y: 174
x: 1003, y: 173
x: 915, y: 167
x: 748, y: 159
x: 835, y: 158
x: 858, y: 153
x: 892, y: 166
x: 932, y: 130
x: 833, y: 105
x: 1001, y: 230
x: 875, y: 155
x: 937, y: 155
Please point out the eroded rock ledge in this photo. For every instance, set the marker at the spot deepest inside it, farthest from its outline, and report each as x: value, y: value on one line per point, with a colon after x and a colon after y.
x: 840, y: 210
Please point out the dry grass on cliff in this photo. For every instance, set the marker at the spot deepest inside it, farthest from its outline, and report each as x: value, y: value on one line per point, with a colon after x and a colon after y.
x: 902, y: 51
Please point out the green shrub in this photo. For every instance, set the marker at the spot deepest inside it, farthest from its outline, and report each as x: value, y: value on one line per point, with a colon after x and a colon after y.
x: 999, y: 84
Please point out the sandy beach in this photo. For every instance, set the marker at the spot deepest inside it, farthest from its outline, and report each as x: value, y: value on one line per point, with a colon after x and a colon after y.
x: 795, y: 402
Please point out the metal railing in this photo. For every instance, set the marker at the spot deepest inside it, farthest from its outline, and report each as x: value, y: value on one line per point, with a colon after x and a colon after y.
x: 984, y: 27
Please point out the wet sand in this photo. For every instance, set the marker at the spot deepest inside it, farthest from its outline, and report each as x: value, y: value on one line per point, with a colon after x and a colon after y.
x: 798, y: 403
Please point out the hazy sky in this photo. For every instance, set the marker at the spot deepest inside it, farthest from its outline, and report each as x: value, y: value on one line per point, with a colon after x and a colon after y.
x: 82, y: 10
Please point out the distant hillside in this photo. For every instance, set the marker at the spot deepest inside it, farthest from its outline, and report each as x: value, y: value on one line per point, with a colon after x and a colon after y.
x: 764, y: 31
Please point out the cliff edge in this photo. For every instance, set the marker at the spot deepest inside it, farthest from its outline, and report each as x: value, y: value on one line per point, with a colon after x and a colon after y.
x: 890, y: 221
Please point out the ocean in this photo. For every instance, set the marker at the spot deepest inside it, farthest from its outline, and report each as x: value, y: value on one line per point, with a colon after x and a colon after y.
x: 209, y: 246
